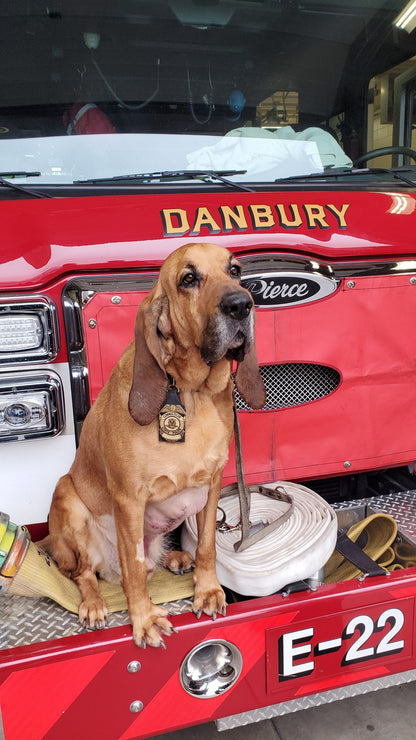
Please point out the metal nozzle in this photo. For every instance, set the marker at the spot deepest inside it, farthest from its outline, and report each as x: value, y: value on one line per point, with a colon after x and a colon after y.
x: 14, y: 543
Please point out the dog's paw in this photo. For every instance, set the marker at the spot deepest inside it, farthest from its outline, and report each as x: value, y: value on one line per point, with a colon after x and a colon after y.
x: 210, y: 602
x: 93, y: 613
x: 178, y: 561
x: 149, y: 629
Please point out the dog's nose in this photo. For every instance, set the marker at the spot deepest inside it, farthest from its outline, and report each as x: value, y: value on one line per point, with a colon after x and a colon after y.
x: 237, y: 305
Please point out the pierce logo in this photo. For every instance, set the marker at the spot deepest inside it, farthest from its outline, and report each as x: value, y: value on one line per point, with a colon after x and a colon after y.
x: 274, y: 289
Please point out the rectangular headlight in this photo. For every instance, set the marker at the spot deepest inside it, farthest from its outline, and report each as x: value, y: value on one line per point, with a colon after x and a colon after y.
x: 30, y: 405
x: 18, y: 333
x: 28, y: 331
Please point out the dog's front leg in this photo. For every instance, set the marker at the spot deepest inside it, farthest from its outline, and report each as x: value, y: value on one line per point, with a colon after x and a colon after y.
x: 209, y: 597
x: 148, y: 620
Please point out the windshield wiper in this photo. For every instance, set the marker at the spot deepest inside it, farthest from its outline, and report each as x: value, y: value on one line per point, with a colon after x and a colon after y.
x: 219, y: 175
x: 19, y: 173
x: 340, y: 172
x: 21, y: 188
x: 397, y: 174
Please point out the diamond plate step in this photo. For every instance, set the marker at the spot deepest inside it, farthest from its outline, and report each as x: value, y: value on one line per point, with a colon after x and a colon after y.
x: 25, y: 621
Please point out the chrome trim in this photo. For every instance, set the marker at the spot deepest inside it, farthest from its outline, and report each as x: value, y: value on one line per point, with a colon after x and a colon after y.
x: 87, y: 286
x: 34, y: 381
x: 278, y: 262
x: 282, y: 262
x: 45, y: 308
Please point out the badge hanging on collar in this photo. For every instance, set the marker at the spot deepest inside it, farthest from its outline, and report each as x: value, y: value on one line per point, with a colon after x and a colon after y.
x: 172, y: 416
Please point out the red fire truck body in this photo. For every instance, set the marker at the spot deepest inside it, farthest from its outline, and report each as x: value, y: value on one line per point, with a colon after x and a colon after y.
x: 329, y: 257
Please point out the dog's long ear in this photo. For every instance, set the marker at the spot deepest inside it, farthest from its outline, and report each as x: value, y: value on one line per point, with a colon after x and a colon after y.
x: 153, y: 349
x: 249, y: 382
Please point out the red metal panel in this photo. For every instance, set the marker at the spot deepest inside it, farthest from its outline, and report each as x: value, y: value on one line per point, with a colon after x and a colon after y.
x: 314, y: 439
x: 83, y: 681
x: 113, y: 331
x: 33, y: 699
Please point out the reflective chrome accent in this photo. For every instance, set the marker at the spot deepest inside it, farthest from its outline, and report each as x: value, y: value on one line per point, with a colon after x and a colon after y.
x: 45, y: 310
x: 275, y: 261
x: 211, y: 668
x: 31, y: 405
x: 294, y: 383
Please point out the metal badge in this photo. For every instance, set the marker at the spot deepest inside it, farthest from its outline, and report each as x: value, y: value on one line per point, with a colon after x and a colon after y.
x: 172, y: 418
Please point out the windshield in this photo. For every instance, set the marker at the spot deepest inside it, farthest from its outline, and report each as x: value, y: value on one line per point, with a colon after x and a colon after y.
x: 261, y: 89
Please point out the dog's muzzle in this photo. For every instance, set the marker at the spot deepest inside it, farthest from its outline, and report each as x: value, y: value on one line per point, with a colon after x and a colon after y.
x: 236, y: 305
x: 229, y: 331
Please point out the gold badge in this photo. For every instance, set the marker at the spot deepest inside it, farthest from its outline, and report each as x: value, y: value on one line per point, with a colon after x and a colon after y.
x: 172, y: 418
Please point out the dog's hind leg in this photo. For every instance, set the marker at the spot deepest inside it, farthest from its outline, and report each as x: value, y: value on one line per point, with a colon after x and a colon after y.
x: 72, y: 544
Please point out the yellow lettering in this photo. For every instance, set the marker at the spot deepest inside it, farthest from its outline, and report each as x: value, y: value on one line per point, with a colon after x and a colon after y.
x: 169, y: 215
x: 204, y: 218
x: 339, y: 214
x: 176, y: 221
x: 262, y: 217
x: 283, y: 219
x: 233, y: 218
x: 315, y: 215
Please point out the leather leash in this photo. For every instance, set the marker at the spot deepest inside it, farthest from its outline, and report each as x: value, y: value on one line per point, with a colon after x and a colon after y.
x: 249, y: 534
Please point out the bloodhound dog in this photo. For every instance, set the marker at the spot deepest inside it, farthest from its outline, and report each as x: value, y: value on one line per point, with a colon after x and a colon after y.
x: 129, y: 484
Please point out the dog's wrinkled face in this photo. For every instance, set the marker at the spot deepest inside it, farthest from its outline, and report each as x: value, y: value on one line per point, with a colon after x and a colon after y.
x: 207, y: 302
x: 196, y: 307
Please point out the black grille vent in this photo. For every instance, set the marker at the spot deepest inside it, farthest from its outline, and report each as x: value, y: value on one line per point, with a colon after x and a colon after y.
x: 291, y: 384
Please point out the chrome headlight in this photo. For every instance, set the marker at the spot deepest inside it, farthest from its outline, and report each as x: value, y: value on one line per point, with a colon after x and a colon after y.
x: 30, y: 405
x: 28, y: 330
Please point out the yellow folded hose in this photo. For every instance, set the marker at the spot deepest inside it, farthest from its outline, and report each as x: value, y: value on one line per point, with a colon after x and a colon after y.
x: 405, y: 555
x: 381, y: 531
x: 27, y: 571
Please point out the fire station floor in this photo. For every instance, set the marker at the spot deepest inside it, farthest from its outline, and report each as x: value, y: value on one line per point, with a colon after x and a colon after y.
x: 380, y: 715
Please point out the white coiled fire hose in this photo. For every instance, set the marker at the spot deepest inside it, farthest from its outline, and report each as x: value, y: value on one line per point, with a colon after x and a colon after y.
x: 292, y: 552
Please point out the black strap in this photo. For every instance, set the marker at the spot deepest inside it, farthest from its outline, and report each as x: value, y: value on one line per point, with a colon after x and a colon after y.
x: 353, y: 552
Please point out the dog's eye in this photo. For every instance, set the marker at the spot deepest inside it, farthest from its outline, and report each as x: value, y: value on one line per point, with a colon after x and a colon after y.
x: 189, y: 279
x: 235, y: 271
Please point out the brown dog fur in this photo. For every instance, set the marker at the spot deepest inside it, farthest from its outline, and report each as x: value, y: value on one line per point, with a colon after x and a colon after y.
x: 125, y: 488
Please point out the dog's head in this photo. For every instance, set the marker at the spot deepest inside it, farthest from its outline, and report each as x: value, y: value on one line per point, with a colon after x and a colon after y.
x: 198, y: 307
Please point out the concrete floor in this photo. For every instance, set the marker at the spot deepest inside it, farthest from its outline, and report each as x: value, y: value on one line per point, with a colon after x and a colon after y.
x: 387, y: 714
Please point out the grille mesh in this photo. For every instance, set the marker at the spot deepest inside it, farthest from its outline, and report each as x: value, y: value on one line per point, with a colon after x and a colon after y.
x: 291, y: 384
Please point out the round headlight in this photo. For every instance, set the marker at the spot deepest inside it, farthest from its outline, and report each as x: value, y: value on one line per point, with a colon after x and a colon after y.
x: 17, y: 414
x: 211, y: 668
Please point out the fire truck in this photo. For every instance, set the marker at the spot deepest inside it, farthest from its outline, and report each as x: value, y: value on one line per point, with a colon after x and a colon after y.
x: 282, y: 130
